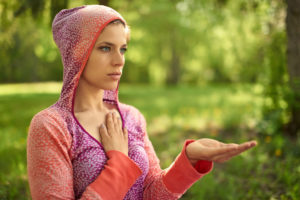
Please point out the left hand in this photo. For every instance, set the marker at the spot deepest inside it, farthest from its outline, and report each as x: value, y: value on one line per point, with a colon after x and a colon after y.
x: 213, y: 150
x: 112, y: 136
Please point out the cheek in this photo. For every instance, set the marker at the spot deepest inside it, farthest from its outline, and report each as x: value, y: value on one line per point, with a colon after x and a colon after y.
x: 93, y: 72
x: 97, y: 64
x: 96, y: 56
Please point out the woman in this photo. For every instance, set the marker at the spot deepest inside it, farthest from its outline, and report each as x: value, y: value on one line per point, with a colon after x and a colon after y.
x: 88, y: 145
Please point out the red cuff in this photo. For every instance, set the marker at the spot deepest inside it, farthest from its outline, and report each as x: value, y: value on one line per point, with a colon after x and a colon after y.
x: 202, y: 166
x: 117, y: 177
x: 182, y: 175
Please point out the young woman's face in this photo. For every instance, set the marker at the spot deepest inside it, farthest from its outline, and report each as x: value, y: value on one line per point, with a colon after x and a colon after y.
x: 106, y: 61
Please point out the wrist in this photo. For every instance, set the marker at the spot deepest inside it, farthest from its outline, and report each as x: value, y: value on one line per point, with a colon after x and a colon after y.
x: 188, y: 154
x: 115, y: 149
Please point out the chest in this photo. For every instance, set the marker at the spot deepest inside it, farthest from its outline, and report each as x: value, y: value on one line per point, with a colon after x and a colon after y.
x: 91, y: 122
x: 89, y: 159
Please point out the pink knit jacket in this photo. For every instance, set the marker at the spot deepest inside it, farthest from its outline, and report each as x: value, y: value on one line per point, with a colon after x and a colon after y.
x: 66, y: 162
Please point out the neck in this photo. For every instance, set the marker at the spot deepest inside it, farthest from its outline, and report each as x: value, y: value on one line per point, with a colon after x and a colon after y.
x: 88, y: 97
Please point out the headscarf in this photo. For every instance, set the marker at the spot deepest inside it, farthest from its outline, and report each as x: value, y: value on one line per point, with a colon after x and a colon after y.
x: 75, y: 32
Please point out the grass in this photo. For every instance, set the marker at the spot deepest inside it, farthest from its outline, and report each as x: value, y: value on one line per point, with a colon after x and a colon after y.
x: 229, y: 113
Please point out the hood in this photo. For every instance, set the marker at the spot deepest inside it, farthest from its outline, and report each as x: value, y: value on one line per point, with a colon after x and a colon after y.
x: 75, y: 32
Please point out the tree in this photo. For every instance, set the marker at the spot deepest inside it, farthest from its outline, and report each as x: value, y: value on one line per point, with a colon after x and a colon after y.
x: 104, y: 2
x: 293, y: 61
x: 38, y: 6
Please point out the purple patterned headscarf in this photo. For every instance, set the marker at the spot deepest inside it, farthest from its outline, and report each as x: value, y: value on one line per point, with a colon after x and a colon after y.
x: 75, y: 32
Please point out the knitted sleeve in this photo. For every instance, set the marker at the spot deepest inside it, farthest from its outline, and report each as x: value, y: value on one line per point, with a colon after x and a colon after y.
x: 172, y: 182
x: 50, y: 171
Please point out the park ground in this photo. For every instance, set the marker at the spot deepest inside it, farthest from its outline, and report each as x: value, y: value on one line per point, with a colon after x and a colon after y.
x: 229, y: 113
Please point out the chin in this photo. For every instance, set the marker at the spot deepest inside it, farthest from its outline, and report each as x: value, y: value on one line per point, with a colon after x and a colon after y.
x: 111, y: 87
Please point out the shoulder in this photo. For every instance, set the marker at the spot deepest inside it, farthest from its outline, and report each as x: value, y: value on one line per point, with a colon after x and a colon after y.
x: 133, y: 117
x: 132, y: 112
x: 48, y: 123
x: 46, y: 117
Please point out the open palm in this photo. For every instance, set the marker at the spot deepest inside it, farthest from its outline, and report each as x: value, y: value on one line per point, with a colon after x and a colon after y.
x: 213, y: 150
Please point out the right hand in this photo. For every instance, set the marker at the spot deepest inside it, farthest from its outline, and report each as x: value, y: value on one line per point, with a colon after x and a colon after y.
x: 112, y: 136
x: 213, y: 150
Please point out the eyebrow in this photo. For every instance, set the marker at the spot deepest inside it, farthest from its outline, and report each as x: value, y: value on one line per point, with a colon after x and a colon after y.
x: 109, y: 43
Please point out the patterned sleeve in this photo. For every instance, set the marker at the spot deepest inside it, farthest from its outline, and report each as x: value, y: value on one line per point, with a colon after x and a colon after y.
x: 172, y: 182
x: 50, y: 171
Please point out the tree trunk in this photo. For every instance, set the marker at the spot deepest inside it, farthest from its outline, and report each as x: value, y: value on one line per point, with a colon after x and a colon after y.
x: 56, y: 6
x: 174, y: 69
x: 173, y: 75
x: 104, y: 2
x: 293, y: 62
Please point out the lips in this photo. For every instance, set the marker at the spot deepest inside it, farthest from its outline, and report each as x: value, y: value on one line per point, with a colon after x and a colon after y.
x: 115, y: 75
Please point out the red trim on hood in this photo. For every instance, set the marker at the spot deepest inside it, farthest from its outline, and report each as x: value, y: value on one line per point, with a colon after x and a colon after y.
x: 79, y: 75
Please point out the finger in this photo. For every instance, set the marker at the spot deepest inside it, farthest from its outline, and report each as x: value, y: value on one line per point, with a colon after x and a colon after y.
x: 228, y: 145
x: 109, y: 123
x: 114, y: 118
x: 214, y: 152
x: 240, y: 149
x: 120, y: 123
x: 102, y: 131
x: 247, y: 145
x: 232, y: 148
x: 125, y: 132
x: 225, y: 157
x: 253, y: 142
x: 115, y: 121
x: 221, y: 160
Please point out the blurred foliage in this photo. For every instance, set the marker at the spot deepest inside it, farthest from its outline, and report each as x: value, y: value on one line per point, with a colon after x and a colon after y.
x: 172, y: 41
x: 187, y: 42
x: 280, y: 100
x: 234, y: 50
x: 278, y: 95
x: 229, y: 113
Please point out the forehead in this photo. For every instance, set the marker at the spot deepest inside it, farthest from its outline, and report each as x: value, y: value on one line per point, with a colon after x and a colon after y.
x: 114, y: 33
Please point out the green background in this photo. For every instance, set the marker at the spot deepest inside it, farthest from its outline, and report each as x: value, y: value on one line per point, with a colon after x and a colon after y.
x: 231, y: 85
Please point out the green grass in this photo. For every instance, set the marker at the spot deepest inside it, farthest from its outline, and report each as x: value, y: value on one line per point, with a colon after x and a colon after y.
x: 229, y: 113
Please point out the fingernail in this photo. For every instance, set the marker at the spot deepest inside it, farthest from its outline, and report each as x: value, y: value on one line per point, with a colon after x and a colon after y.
x: 102, y: 126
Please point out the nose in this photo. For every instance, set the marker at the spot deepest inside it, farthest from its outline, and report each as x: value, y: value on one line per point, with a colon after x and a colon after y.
x: 118, y: 59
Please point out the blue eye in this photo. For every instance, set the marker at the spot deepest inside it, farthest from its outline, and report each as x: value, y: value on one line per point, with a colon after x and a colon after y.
x: 108, y: 49
x: 105, y: 48
x: 123, y: 50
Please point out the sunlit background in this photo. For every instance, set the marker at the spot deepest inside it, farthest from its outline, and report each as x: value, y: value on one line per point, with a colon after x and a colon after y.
x: 194, y: 68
